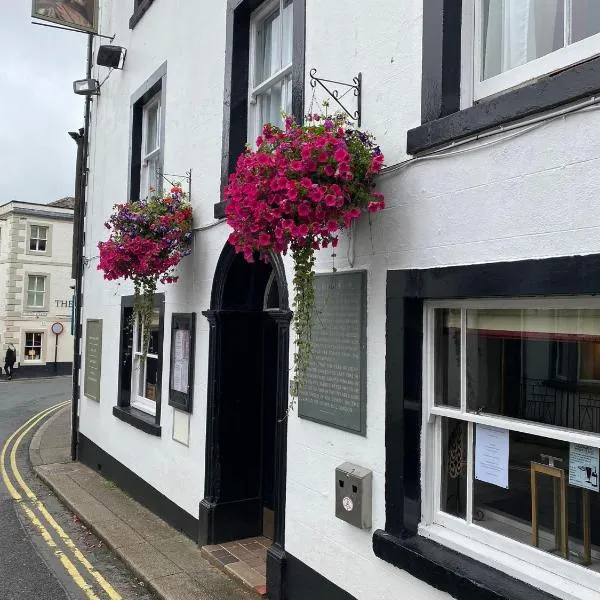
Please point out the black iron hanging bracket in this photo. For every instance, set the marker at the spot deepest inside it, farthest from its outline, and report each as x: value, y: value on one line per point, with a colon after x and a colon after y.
x: 355, y: 86
x: 171, y: 179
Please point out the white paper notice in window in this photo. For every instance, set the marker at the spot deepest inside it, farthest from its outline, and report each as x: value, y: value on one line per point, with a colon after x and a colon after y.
x: 181, y: 360
x: 491, y: 455
x: 583, y: 467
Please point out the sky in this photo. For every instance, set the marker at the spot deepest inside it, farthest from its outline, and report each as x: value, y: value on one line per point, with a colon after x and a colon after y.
x: 37, y: 106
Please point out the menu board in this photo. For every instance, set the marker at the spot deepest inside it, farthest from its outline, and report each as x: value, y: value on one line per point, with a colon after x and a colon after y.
x: 182, y: 360
x: 334, y: 392
x: 93, y: 359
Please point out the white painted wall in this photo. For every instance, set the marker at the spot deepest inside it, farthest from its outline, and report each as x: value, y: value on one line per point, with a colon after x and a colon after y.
x: 517, y: 196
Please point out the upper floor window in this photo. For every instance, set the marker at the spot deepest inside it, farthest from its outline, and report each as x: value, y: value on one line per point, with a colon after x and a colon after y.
x: 38, y: 238
x: 270, y: 83
x: 36, y: 291
x: 147, y: 135
x: 151, y: 149
x: 516, y: 41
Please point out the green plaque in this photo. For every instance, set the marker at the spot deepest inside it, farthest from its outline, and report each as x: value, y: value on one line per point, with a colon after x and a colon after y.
x: 334, y: 392
x: 93, y: 358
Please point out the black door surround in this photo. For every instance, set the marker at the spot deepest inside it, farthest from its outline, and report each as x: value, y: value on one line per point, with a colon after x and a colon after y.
x: 232, y: 504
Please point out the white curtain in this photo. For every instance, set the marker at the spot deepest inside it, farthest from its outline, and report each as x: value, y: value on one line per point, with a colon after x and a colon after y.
x: 518, y: 31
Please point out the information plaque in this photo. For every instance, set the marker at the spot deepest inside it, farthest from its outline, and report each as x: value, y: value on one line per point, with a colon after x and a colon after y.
x: 334, y: 392
x: 93, y: 358
x: 183, y: 326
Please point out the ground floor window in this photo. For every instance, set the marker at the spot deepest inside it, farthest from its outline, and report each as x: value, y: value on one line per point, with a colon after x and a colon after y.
x: 511, y: 433
x: 145, y: 373
x: 33, y: 346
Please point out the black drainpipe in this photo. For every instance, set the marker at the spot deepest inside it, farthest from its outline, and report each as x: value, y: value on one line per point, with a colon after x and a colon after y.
x: 82, y: 140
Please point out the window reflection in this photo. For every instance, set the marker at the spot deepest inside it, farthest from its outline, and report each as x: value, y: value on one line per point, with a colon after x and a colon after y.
x: 538, y: 365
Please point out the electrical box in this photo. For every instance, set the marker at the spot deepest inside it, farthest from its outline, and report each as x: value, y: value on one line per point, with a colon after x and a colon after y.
x: 353, y: 490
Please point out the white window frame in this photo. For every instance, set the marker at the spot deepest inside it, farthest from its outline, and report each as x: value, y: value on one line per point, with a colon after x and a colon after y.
x: 257, y: 18
x: 38, y: 239
x: 145, y: 175
x: 473, y: 90
x: 138, y: 400
x: 44, y: 292
x: 536, y: 567
x: 34, y: 360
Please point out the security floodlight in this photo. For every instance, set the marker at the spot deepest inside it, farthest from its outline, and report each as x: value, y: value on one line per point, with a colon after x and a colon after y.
x: 111, y: 56
x: 86, y: 87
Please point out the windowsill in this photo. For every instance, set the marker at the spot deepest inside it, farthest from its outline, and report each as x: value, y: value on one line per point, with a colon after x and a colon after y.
x: 138, y: 419
x: 139, y: 12
x: 450, y: 571
x: 572, y: 84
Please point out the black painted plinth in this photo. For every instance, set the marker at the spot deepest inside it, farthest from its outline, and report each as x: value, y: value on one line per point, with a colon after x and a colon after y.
x: 221, y: 522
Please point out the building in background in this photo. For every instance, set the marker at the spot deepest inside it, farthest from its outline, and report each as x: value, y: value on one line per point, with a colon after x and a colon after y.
x: 35, y: 285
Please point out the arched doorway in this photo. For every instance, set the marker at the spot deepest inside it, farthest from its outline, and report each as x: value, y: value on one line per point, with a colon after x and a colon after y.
x: 247, y: 402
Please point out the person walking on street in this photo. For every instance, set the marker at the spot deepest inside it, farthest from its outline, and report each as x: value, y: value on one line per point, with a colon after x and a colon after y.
x: 9, y: 361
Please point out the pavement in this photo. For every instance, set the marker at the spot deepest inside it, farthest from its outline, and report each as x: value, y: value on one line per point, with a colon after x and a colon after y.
x: 168, y: 562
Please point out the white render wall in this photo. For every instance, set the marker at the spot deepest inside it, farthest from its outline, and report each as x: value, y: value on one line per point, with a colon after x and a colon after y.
x: 516, y: 196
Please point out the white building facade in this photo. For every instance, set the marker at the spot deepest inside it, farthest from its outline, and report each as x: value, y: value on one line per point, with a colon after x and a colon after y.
x: 482, y: 330
x: 35, y: 278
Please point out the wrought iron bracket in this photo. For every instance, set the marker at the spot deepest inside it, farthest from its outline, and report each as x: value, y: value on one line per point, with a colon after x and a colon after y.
x: 355, y: 86
x: 171, y: 178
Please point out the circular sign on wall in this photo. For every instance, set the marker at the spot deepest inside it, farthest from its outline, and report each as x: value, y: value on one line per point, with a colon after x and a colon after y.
x: 57, y: 328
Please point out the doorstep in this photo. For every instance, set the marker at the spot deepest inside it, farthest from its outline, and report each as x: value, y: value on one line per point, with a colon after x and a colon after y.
x: 246, y: 560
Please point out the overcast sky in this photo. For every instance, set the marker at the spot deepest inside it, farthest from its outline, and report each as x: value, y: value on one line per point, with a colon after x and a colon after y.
x: 37, y: 106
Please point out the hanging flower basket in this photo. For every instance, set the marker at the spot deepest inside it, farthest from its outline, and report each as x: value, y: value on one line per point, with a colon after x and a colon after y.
x: 148, y: 239
x: 296, y: 191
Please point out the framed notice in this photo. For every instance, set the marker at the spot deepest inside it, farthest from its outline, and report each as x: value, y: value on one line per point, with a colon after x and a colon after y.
x: 183, y: 327
x: 93, y: 359
x: 334, y: 392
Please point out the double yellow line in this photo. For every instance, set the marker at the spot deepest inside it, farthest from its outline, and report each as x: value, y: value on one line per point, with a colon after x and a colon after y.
x: 32, y: 505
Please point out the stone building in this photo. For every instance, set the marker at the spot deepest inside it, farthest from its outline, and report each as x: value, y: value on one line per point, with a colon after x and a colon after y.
x: 35, y: 285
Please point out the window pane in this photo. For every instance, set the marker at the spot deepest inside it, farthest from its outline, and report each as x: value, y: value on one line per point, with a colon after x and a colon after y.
x: 42, y: 233
x: 288, y: 20
x: 271, y: 105
x: 589, y: 361
x: 509, y: 511
x: 453, y: 498
x: 515, y: 32
x: 41, y: 245
x: 276, y: 101
x: 447, y: 357
x: 524, y: 364
x: 268, y: 47
x: 585, y: 19
x: 151, y: 174
x: 152, y: 113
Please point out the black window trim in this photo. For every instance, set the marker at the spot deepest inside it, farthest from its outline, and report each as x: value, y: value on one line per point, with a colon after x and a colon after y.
x: 123, y: 410
x: 155, y: 84
x: 235, y: 101
x: 399, y: 543
x: 140, y: 8
x: 441, y: 117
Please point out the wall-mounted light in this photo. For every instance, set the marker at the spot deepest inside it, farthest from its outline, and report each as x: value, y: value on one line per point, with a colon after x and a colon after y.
x: 86, y: 87
x: 111, y: 56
